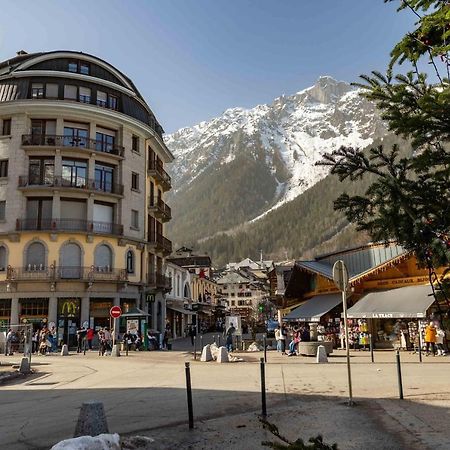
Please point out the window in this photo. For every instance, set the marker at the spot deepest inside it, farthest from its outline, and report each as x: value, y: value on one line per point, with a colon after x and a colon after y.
x: 70, y: 92
x: 74, y: 173
x: 37, y: 90
x: 135, y: 144
x: 103, y: 258
x: 84, y: 95
x: 35, y: 257
x: 134, y: 219
x: 102, y: 99
x: 105, y: 142
x: 41, y: 171
x: 104, y: 178
x: 84, y: 68
x: 4, y: 168
x: 130, y: 261
x: 2, y: 210
x: 113, y: 102
x: 6, y: 129
x: 232, y: 302
x: 75, y: 137
x: 73, y: 66
x: 3, y: 263
x: 51, y: 90
x: 5, y: 308
x: 232, y: 294
x: 34, y: 307
x: 135, y: 181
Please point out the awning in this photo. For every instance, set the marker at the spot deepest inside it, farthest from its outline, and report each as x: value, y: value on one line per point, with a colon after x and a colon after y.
x: 181, y: 310
x: 314, y: 309
x: 405, y: 302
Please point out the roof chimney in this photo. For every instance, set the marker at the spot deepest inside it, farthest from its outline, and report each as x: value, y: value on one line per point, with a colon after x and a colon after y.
x: 21, y: 52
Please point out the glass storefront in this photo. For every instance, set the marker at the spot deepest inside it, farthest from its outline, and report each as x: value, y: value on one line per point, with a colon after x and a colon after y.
x: 68, y: 320
x: 99, y: 313
x: 34, y: 311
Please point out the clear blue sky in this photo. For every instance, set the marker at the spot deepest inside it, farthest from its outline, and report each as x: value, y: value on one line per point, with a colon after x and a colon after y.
x: 192, y: 59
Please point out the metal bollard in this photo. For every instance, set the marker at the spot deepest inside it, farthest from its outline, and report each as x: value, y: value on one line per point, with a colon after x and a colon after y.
x: 399, y: 375
x: 265, y: 347
x: 195, y: 347
x: 420, y: 352
x: 263, y: 389
x: 189, y: 395
x: 201, y: 342
x: 218, y: 344
x: 84, y: 346
x: 371, y: 346
x: 127, y: 345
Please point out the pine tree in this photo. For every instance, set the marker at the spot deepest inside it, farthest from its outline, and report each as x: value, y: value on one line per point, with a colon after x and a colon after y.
x: 409, y: 201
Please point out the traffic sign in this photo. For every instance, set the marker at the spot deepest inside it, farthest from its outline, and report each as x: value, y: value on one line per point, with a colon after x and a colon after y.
x: 340, y: 275
x: 115, y: 312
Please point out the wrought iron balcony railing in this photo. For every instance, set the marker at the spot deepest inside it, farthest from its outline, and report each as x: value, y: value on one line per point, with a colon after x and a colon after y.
x: 53, y: 140
x: 156, y: 170
x: 159, y: 280
x: 160, y: 209
x: 160, y: 243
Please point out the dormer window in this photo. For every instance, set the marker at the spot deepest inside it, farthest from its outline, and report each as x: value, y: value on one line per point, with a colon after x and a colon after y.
x: 73, y: 66
x: 78, y: 67
x: 37, y: 90
x: 84, y: 68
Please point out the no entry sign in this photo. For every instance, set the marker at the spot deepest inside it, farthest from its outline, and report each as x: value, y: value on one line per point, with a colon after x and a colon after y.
x: 115, y: 312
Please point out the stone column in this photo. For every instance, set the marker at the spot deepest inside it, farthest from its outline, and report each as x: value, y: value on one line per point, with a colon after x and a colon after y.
x: 56, y: 205
x: 90, y: 208
x: 14, y: 310
x: 85, y: 303
x: 58, y: 163
x: 52, y: 309
x: 60, y: 126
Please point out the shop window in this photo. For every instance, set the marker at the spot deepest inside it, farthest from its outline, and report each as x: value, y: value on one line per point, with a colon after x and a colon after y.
x: 130, y: 261
x: 37, y: 90
x: 103, y: 258
x: 35, y: 257
x: 34, y: 307
x: 135, y: 181
x: 5, y: 308
x: 6, y: 127
x: 3, y: 262
x: 135, y: 144
x: 4, y: 168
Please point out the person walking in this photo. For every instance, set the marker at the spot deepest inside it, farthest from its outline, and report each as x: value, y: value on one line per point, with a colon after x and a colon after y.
x: 440, y: 336
x: 430, y: 338
x: 229, y: 337
x: 283, y: 335
x: 8, y: 343
x: 81, y: 339
x: 90, y: 337
x: 278, y: 338
x: 35, y: 341
x: 192, y: 333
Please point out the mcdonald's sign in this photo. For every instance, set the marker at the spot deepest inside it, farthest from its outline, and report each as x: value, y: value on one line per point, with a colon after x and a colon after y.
x: 69, y: 308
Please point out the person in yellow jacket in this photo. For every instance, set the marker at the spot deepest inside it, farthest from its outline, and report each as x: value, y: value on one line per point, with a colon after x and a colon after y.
x: 430, y: 338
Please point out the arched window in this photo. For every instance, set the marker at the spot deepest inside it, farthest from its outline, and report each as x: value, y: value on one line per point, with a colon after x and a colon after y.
x: 3, y: 262
x: 35, y: 257
x: 130, y: 261
x: 103, y: 258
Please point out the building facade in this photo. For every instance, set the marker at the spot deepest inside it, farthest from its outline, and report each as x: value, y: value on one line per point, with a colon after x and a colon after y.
x: 82, y: 183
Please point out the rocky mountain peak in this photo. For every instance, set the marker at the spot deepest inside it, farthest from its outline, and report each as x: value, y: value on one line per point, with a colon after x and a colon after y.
x: 328, y: 90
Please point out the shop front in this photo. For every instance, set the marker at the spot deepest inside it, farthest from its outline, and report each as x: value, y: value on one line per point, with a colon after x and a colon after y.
x: 68, y: 320
x: 34, y: 311
x: 321, y: 314
x: 5, y: 312
x: 394, y: 317
x: 99, y: 313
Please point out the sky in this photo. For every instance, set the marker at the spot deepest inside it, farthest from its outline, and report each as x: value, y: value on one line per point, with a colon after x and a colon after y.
x: 193, y: 59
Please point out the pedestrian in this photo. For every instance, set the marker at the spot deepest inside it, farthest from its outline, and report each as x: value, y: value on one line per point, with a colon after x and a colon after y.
x: 90, y: 337
x: 229, y: 337
x: 430, y: 338
x: 8, y: 343
x: 53, y: 338
x: 283, y: 335
x: 192, y: 333
x: 440, y: 335
x: 294, y: 342
x: 278, y: 338
x: 35, y: 341
x: 81, y: 339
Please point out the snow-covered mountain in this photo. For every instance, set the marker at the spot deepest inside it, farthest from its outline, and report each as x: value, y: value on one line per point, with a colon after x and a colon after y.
x: 278, y: 144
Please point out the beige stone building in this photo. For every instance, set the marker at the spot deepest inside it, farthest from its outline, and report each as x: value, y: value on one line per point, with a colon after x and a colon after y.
x: 82, y: 186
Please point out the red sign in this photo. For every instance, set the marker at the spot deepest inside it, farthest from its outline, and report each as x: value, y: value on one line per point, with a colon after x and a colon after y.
x: 115, y: 312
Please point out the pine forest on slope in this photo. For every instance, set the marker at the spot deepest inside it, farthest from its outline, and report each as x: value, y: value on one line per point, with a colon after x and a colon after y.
x: 247, y: 180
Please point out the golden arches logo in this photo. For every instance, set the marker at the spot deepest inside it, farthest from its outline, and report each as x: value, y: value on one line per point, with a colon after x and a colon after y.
x: 69, y: 308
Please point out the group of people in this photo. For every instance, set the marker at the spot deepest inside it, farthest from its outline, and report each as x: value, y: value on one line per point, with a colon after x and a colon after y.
x: 290, y: 336
x: 45, y: 341
x: 435, y: 339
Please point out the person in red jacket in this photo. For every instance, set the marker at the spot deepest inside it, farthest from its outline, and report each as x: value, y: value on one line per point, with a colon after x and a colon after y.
x: 90, y: 336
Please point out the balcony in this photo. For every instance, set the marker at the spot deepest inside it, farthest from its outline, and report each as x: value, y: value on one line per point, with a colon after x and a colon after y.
x: 81, y: 225
x: 159, y: 209
x: 156, y: 170
x: 55, y: 273
x: 26, y: 181
x: 51, y: 140
x: 159, y: 281
x: 160, y: 243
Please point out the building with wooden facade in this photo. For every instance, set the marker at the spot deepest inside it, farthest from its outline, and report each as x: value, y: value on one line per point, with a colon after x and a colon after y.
x: 82, y: 187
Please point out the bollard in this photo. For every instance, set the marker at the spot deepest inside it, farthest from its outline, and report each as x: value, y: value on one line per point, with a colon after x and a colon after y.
x: 371, y: 346
x: 263, y: 389
x: 218, y: 344
x: 201, y: 342
x: 265, y: 347
x: 84, y: 347
x: 195, y: 347
x: 420, y: 351
x: 91, y: 420
x: 189, y: 395
x: 399, y: 375
x: 127, y: 345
